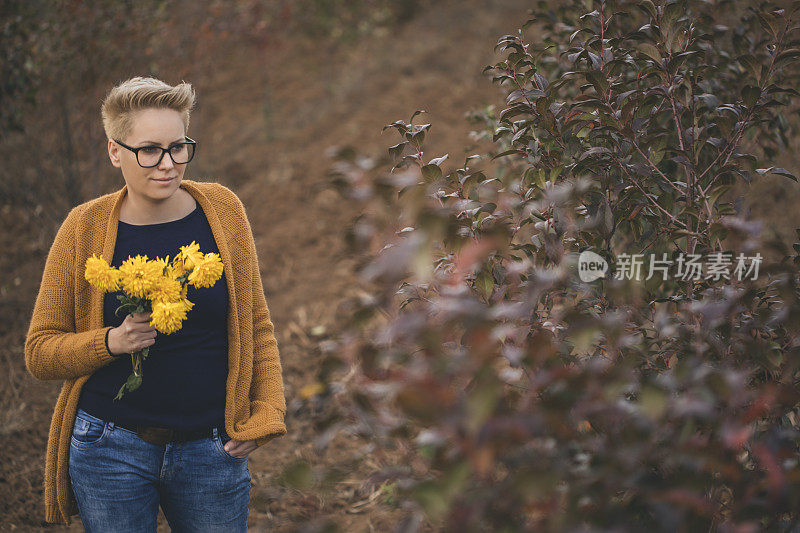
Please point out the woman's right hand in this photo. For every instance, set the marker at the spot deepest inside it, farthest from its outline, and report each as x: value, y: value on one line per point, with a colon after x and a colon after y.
x: 134, y: 334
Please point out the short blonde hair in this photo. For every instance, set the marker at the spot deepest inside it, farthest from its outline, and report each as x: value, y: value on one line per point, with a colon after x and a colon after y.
x: 138, y: 93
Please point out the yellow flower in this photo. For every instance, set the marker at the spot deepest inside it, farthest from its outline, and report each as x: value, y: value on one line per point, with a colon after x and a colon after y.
x: 167, y: 317
x: 187, y: 305
x: 138, y: 275
x: 207, y: 271
x: 177, y: 268
x: 100, y: 275
x: 162, y: 264
x: 166, y: 289
x: 191, y: 255
x: 193, y: 247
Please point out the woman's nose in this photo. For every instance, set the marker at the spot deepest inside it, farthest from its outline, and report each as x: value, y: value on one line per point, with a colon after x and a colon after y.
x: 166, y: 161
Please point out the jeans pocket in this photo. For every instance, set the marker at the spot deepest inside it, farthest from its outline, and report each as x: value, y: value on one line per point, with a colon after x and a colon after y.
x: 220, y: 443
x: 87, y: 433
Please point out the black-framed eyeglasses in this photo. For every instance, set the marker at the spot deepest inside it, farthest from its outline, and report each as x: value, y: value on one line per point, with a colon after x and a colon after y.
x: 150, y: 156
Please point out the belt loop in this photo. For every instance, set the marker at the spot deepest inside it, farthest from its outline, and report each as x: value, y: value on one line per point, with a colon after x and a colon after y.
x: 214, y: 432
x: 111, y: 426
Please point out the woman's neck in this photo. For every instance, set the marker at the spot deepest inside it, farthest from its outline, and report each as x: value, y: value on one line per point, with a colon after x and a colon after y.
x: 138, y: 212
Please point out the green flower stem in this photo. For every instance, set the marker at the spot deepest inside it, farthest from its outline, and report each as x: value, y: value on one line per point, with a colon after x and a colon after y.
x: 135, y: 378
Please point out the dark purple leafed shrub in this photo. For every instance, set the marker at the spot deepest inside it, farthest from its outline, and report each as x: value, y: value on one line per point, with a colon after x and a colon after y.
x: 520, y: 394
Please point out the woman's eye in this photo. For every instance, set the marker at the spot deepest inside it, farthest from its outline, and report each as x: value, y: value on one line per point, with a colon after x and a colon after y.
x: 151, y: 150
x: 178, y: 148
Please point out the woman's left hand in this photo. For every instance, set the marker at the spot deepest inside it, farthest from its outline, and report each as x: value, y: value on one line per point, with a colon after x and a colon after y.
x: 240, y: 448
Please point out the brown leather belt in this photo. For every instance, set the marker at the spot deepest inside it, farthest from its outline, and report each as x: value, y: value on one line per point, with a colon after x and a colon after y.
x: 163, y: 436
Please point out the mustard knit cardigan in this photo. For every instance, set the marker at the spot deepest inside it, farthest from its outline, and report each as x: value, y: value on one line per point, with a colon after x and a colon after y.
x: 66, y: 338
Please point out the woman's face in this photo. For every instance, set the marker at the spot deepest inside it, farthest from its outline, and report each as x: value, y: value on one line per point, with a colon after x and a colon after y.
x: 151, y: 127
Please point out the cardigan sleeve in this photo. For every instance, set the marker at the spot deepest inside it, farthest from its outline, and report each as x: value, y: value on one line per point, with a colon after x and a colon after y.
x: 53, y: 349
x: 266, y: 390
x: 267, y: 387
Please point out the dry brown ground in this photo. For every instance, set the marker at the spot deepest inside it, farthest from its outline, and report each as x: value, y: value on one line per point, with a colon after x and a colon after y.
x: 268, y: 124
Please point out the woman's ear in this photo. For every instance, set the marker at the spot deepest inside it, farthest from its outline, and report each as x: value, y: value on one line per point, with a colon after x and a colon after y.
x: 113, y: 153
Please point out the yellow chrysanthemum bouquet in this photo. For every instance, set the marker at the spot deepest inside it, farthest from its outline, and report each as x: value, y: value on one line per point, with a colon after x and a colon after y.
x: 158, y: 286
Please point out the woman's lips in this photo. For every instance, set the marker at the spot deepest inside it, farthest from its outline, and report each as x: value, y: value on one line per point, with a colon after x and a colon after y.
x: 164, y: 180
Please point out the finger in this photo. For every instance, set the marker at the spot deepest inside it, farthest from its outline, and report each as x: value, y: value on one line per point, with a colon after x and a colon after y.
x: 243, y: 450
x: 241, y: 447
x: 142, y: 326
x: 251, y: 446
x: 141, y: 333
x: 143, y: 344
x: 247, y: 446
x: 231, y: 445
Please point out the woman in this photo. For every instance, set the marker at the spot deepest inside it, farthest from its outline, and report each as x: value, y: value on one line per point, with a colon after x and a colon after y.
x: 211, y: 393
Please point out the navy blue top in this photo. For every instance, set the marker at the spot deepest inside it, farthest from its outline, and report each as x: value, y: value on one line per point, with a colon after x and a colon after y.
x: 184, y: 375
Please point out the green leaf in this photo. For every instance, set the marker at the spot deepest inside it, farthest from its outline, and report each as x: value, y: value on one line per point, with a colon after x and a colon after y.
x: 500, y: 132
x: 513, y: 111
x: 431, y: 172
x: 595, y: 150
x: 598, y: 81
x: 133, y: 383
x: 672, y: 13
x: 649, y: 7
x: 751, y: 65
x: 650, y: 51
x: 777, y: 170
x: 417, y: 138
x: 488, y: 207
x: 438, y: 160
x: 715, y: 194
x: 397, y: 150
x: 484, y: 283
x: 709, y: 100
x: 507, y: 152
x: 750, y: 95
x: 768, y: 22
x: 783, y: 172
x: 786, y: 58
x: 399, y: 125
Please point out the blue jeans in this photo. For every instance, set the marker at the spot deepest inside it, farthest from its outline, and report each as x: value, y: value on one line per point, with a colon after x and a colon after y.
x: 119, y: 480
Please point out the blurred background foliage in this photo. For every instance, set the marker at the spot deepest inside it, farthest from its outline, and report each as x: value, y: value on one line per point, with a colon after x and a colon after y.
x: 526, y: 399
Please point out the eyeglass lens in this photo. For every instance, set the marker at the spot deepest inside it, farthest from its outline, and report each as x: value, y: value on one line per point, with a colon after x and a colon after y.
x: 181, y: 153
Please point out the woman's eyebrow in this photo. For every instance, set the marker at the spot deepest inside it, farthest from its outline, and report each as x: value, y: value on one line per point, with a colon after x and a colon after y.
x: 182, y: 139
